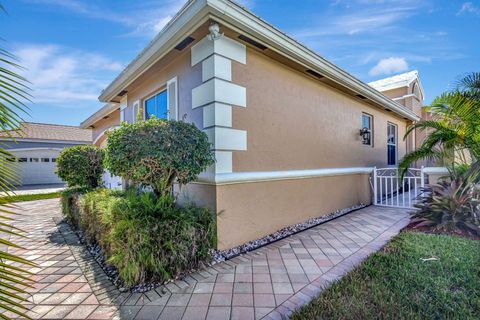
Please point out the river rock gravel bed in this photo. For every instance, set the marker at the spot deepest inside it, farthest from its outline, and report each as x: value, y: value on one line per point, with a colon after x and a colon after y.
x: 220, y: 256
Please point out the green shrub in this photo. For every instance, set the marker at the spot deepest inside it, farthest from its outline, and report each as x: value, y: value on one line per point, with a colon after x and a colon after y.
x: 69, y: 200
x: 453, y: 205
x: 157, y: 153
x: 81, y: 166
x: 147, y: 238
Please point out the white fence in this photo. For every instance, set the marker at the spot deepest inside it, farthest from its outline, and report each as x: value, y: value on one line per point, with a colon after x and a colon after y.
x: 390, y: 189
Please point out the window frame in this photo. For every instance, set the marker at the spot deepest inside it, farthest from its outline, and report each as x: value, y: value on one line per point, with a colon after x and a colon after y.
x: 390, y: 144
x: 156, y: 93
x: 372, y: 128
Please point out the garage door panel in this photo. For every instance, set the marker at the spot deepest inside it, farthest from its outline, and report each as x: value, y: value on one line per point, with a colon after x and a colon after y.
x: 31, y: 172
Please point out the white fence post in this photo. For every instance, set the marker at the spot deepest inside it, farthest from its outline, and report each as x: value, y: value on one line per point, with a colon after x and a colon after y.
x: 375, y: 201
x: 422, y: 178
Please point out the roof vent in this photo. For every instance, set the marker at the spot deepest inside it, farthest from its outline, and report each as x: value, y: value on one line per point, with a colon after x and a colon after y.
x: 185, y: 42
x: 252, y: 42
x: 314, y: 73
x: 361, y: 97
x: 122, y: 93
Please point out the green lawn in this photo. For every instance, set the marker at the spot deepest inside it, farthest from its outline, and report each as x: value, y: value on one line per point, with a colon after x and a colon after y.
x: 29, y: 197
x: 396, y: 284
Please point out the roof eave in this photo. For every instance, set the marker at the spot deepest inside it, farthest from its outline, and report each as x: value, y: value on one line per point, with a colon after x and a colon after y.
x: 245, y: 21
x: 190, y: 17
x: 195, y: 13
x: 104, y: 111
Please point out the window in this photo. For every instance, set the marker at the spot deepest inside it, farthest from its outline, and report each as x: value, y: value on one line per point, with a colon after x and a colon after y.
x: 22, y: 159
x: 54, y: 159
x: 11, y: 159
x: 367, y: 122
x: 157, y: 106
x: 45, y: 159
x: 33, y: 159
x: 391, y: 144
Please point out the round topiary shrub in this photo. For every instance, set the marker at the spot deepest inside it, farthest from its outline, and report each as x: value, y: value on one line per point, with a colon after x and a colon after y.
x: 81, y: 166
x: 157, y: 153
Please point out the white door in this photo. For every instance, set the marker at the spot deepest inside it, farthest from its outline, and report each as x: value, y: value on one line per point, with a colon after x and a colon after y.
x: 37, y: 166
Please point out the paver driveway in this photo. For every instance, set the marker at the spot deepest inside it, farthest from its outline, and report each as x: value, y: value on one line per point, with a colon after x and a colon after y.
x: 268, y: 283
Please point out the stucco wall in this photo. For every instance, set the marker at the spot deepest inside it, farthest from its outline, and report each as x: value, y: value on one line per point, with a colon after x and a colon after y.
x: 250, y: 211
x: 155, y: 80
x: 295, y: 122
x: 396, y: 93
x: 103, y: 124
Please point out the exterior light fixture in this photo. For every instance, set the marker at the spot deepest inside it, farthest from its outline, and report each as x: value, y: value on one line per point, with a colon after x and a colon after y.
x: 214, y: 29
x: 365, y: 134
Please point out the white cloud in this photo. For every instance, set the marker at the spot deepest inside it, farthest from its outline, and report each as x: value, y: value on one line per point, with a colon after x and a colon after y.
x: 389, y: 66
x: 469, y: 7
x: 63, y: 76
x: 362, y: 19
x: 144, y: 18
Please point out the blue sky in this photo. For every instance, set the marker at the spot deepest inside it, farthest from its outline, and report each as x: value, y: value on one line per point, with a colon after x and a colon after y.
x: 72, y: 49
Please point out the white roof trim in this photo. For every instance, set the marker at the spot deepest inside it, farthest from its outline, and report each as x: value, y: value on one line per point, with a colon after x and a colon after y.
x: 398, y: 81
x: 196, y: 12
x: 34, y: 149
x: 262, y: 176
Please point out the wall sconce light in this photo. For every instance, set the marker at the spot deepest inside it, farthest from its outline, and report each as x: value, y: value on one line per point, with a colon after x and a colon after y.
x: 365, y: 134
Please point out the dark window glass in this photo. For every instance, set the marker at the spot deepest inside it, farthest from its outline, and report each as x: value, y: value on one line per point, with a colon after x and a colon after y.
x: 157, y: 106
x: 22, y: 159
x: 391, y: 144
x: 33, y: 159
x: 54, y: 159
x: 45, y: 159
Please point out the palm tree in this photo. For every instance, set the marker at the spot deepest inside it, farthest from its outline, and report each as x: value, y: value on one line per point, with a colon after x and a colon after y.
x: 13, y: 91
x: 454, y: 130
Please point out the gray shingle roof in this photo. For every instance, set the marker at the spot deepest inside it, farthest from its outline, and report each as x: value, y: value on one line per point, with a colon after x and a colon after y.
x: 45, y: 131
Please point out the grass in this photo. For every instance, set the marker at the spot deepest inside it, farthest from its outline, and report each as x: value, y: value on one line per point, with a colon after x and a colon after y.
x: 396, y: 283
x: 28, y: 197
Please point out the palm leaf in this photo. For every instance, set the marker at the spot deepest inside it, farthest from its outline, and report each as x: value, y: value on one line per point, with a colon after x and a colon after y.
x: 14, y: 94
x: 455, y: 125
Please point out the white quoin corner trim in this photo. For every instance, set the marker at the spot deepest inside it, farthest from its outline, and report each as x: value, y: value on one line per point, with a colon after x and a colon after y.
x: 217, y: 95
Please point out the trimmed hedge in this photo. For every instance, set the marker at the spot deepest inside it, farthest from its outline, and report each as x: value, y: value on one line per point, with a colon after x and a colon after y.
x: 157, y: 153
x: 147, y: 238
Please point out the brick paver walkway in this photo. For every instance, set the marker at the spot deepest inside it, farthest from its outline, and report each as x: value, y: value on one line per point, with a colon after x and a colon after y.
x: 267, y: 283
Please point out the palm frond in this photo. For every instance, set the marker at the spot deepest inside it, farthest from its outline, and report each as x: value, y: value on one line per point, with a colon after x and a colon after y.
x: 14, y: 94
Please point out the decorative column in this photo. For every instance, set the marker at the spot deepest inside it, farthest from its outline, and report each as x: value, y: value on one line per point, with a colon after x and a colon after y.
x: 217, y: 95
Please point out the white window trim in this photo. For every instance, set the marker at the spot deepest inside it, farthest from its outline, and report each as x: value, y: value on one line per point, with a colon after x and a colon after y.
x: 164, y: 88
x: 169, y: 82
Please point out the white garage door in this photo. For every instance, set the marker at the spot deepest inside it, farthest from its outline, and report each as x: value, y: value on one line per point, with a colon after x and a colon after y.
x: 37, y: 166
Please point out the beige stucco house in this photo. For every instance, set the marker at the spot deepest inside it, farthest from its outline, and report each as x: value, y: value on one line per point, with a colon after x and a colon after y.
x: 284, y: 122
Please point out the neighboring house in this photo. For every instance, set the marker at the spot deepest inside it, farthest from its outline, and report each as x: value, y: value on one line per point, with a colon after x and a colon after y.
x: 407, y: 90
x: 284, y: 122
x: 37, y: 146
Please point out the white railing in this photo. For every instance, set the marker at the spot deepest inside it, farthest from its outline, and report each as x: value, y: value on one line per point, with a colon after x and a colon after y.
x: 389, y: 189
